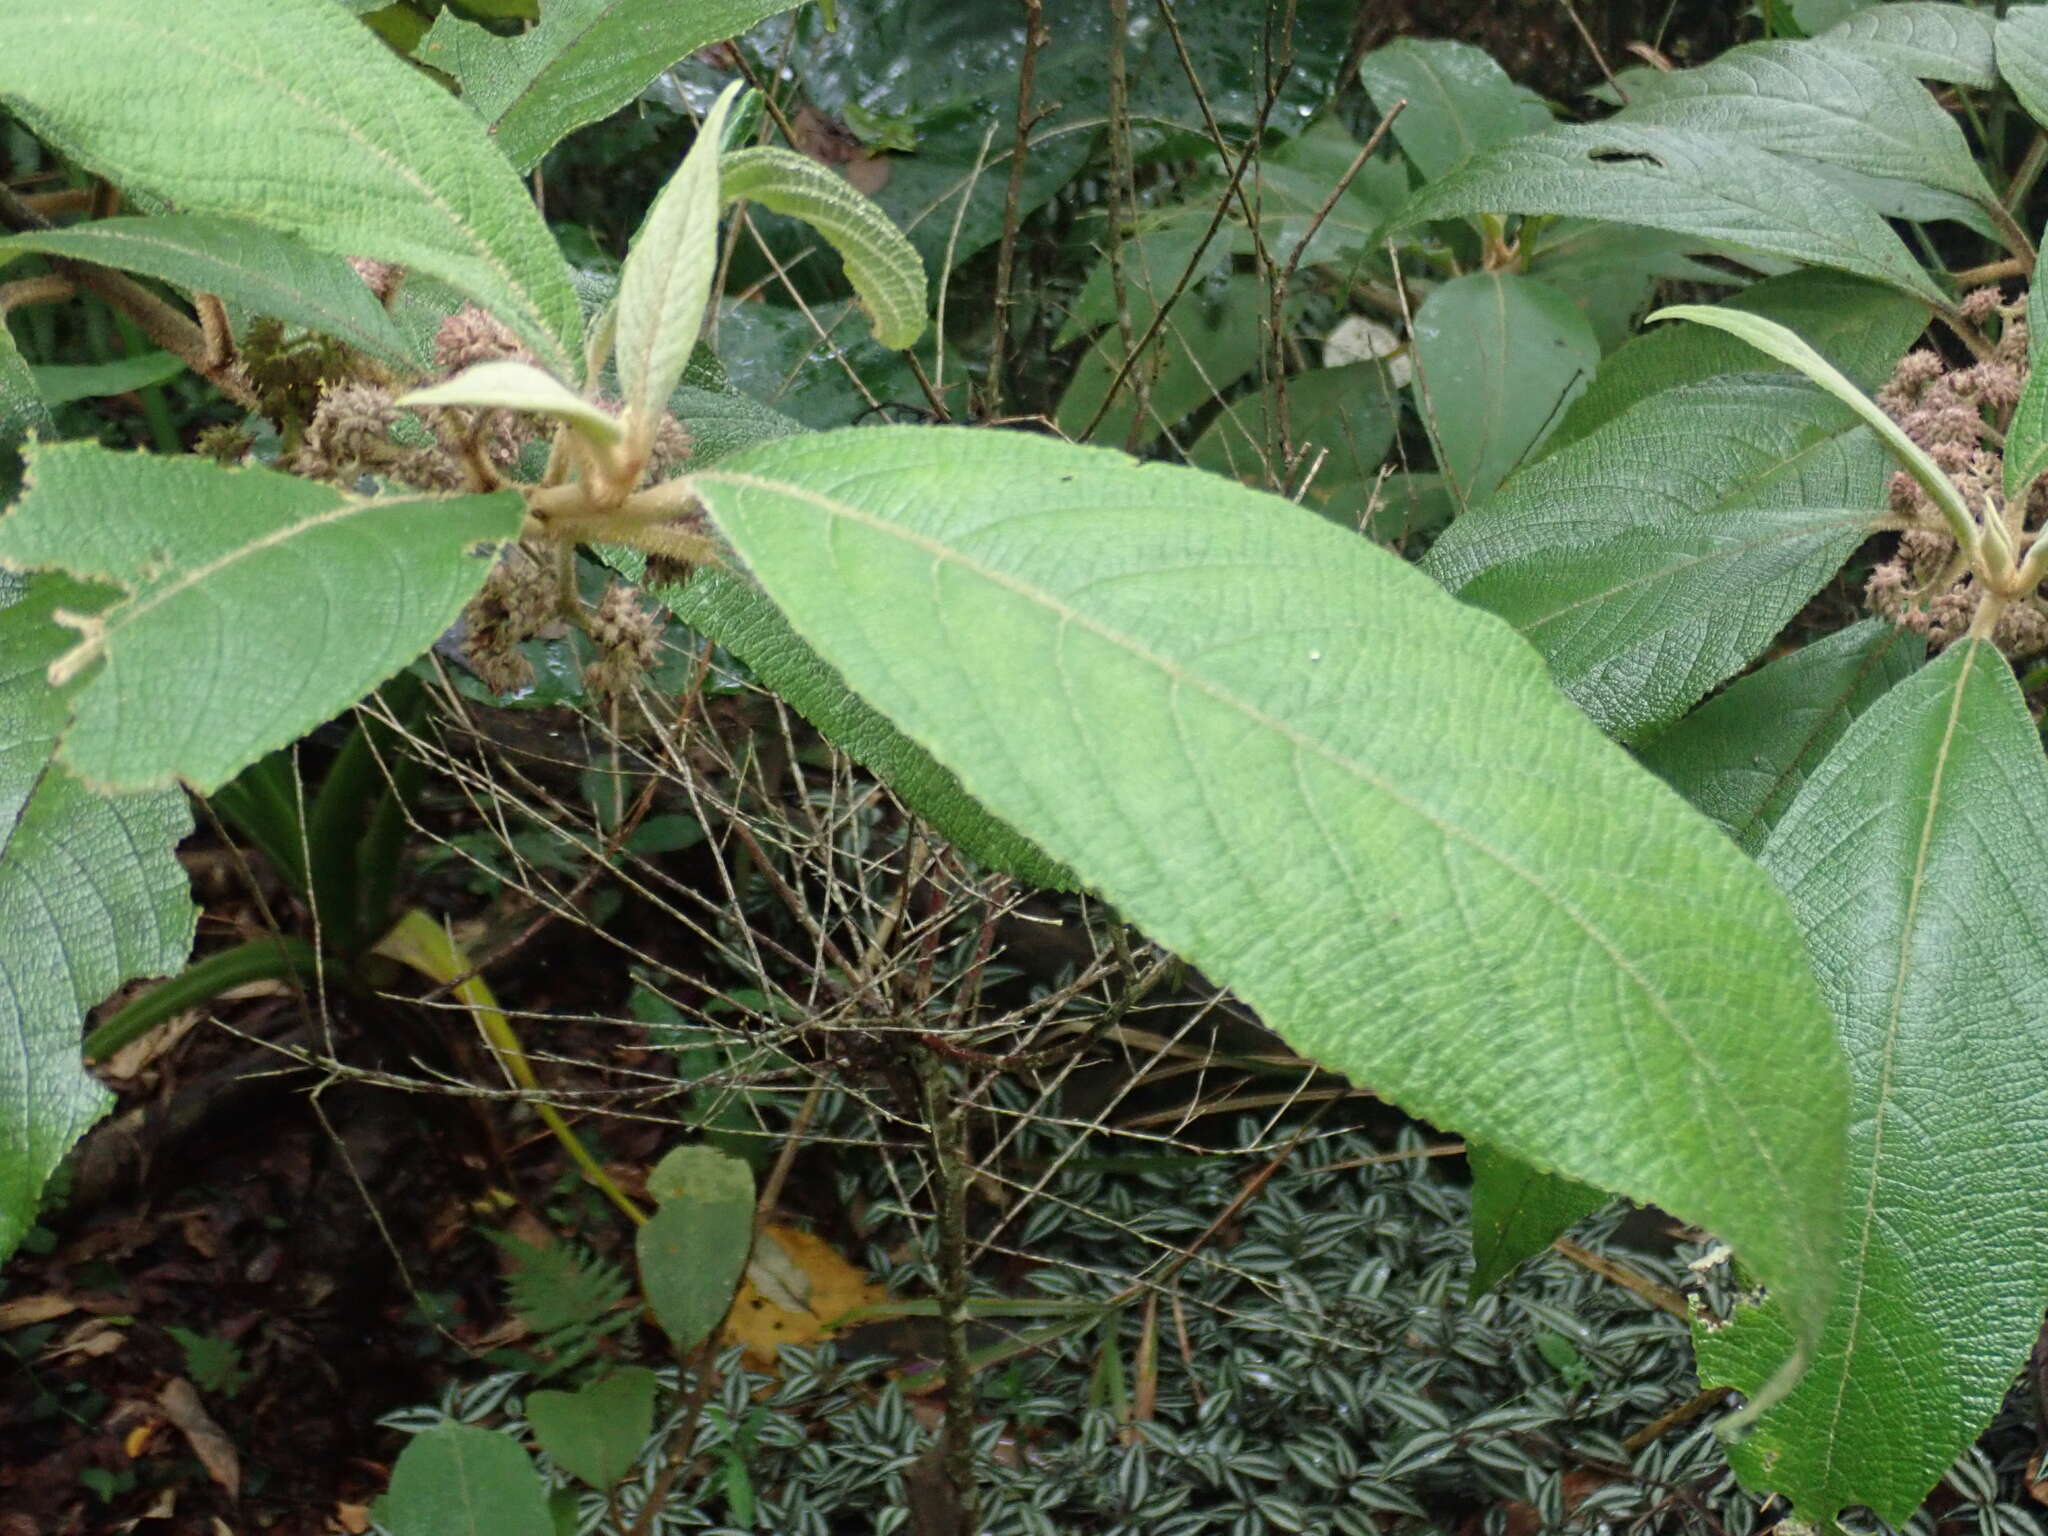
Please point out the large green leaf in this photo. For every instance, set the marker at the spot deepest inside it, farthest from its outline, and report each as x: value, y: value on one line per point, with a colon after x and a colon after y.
x: 1498, y: 357
x: 694, y: 1248
x: 287, y: 113
x: 1916, y: 862
x: 1743, y: 756
x: 2026, y: 435
x: 596, y: 1433
x: 1690, y: 183
x: 1459, y: 101
x: 1656, y: 557
x: 22, y: 410
x: 459, y: 1480
x: 1288, y: 756
x: 2021, y: 46
x: 585, y: 60
x: 91, y: 894
x: 1924, y: 38
x: 244, y: 264
x: 255, y: 605
x: 1822, y: 104
x: 1518, y: 1211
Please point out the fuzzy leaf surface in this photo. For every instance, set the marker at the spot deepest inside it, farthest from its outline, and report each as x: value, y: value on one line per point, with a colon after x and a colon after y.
x: 1915, y: 861
x: 1932, y: 40
x: 1291, y: 758
x: 2026, y: 435
x: 1743, y: 756
x: 254, y: 605
x: 459, y: 1480
x: 583, y: 61
x: 1819, y: 103
x: 1518, y: 1211
x: 1656, y: 557
x: 243, y: 264
x: 1459, y: 101
x: 883, y: 266
x: 1689, y: 183
x: 91, y: 895
x: 287, y: 113
x: 520, y: 387
x: 22, y: 410
x: 2021, y: 47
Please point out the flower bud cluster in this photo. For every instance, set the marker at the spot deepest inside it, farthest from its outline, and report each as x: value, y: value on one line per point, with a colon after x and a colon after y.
x: 628, y: 638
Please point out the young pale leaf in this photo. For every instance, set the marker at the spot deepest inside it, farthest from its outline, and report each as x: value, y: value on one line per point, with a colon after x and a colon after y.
x: 520, y: 387
x: 1743, y: 756
x: 1498, y: 357
x: 584, y: 60
x: 1690, y: 183
x: 197, y: 674
x: 694, y: 1249
x: 1935, y: 41
x: 1656, y: 557
x: 1459, y: 101
x: 667, y: 277
x: 884, y: 268
x: 1821, y: 104
x: 1774, y: 340
x: 1517, y: 1212
x: 1290, y: 757
x: 287, y: 113
x: 459, y: 1480
x: 1916, y: 861
x: 596, y: 1433
x: 241, y: 263
x: 91, y: 895
x: 2021, y: 46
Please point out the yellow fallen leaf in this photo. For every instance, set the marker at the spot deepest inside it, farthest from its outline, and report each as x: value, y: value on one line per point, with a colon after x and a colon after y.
x: 799, y: 1264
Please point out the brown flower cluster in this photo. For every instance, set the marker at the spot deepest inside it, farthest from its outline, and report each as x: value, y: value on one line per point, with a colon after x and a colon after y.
x: 628, y: 639
x: 1954, y: 414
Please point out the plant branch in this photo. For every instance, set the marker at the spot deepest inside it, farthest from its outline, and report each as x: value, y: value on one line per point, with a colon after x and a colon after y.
x: 1013, y: 197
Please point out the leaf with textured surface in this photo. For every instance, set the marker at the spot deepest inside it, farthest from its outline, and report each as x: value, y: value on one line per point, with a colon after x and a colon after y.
x: 1498, y: 357
x: 91, y: 895
x: 1915, y: 861
x: 241, y: 263
x: 22, y: 410
x: 585, y: 60
x: 694, y: 1249
x: 513, y: 386
x: 287, y: 113
x: 598, y: 1432
x: 1518, y: 1211
x: 2026, y: 435
x: 883, y: 266
x: 1654, y: 558
x: 1690, y: 183
x: 1817, y: 103
x: 1935, y: 41
x: 255, y: 605
x: 1291, y: 758
x: 1459, y: 101
x: 1743, y: 756
x: 2021, y: 46
x: 459, y: 1480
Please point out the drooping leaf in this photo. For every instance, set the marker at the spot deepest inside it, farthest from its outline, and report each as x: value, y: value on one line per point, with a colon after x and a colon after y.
x: 666, y: 281
x: 241, y: 263
x: 459, y: 1480
x: 1864, y: 327
x: 585, y: 60
x: 596, y: 1433
x: 2026, y: 435
x: 287, y: 114
x: 255, y: 605
x: 1498, y: 358
x: 1935, y: 41
x: 1518, y: 1211
x: 520, y: 387
x: 1743, y: 756
x: 91, y: 895
x: 1459, y: 101
x: 1691, y: 183
x: 1821, y: 104
x: 1915, y: 861
x: 1289, y: 757
x: 694, y: 1248
x: 1656, y: 557
x: 2021, y: 47
x: 882, y: 265
x: 62, y: 383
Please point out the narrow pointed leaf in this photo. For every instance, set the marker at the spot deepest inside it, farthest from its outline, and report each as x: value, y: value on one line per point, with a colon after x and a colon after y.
x: 1935, y: 41
x: 1690, y: 183
x: 884, y: 268
x: 596, y: 1433
x: 1743, y: 756
x: 2021, y: 46
x: 520, y: 387
x: 1818, y: 103
x: 1290, y: 757
x: 62, y: 383
x: 584, y: 60
x: 460, y: 1480
x: 287, y: 113
x: 1518, y: 1211
x: 1459, y: 100
x: 243, y: 264
x: 2026, y: 435
x: 189, y: 675
x: 694, y: 1249
x: 667, y: 278
x: 91, y: 895
x: 1916, y: 862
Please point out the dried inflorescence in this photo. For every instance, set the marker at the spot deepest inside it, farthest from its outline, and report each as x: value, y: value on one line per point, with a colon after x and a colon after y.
x: 1953, y: 414
x: 517, y: 602
x: 628, y: 639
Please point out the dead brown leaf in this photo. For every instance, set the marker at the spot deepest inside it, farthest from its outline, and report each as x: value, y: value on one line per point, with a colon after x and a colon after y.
x: 179, y: 1400
x: 26, y: 1310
